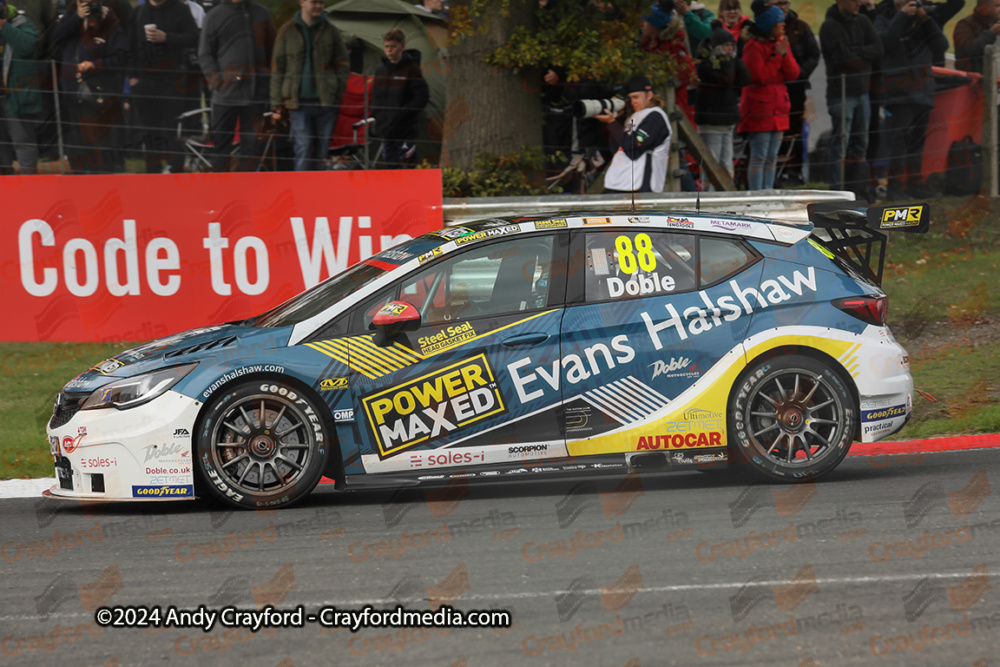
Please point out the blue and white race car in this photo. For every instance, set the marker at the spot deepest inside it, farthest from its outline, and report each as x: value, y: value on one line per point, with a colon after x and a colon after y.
x: 512, y: 348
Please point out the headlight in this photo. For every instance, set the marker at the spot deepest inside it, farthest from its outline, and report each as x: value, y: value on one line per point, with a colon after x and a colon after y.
x: 130, y: 392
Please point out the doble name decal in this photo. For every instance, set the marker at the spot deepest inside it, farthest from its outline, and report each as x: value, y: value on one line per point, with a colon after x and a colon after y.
x: 433, y: 405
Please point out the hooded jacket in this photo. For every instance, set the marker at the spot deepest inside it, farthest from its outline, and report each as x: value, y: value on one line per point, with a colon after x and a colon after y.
x: 157, y: 63
x: 20, y: 65
x: 765, y: 105
x: 329, y: 63
x: 849, y: 47
x: 911, y: 47
x: 399, y: 94
x: 722, y: 77
x: 235, y: 51
x: 804, y: 47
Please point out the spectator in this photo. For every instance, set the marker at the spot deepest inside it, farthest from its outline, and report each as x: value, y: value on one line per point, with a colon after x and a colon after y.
x: 662, y: 32
x: 974, y: 32
x: 642, y: 145
x: 159, y: 34
x: 91, y: 44
x: 697, y: 22
x: 733, y: 20
x: 21, y: 99
x: 434, y: 8
x: 235, y: 54
x: 912, y: 42
x: 764, y: 106
x: 849, y: 45
x: 717, y: 107
x: 308, y: 78
x: 802, y: 41
x: 399, y: 94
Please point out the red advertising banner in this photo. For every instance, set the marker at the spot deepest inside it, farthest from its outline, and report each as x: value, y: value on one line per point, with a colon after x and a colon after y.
x: 136, y: 257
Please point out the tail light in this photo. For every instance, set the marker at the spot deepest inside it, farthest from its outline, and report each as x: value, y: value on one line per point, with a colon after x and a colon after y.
x: 870, y: 309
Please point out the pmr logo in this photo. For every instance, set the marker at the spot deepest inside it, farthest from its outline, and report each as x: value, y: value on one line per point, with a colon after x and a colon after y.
x: 393, y: 309
x: 433, y: 405
x: 332, y: 384
x: 907, y: 216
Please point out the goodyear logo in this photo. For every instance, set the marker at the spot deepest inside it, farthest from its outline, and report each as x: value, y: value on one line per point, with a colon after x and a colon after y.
x: 163, y: 491
x: 433, y: 405
x: 488, y: 234
x: 551, y: 224
x: 883, y: 413
x: 332, y: 384
x: 906, y: 216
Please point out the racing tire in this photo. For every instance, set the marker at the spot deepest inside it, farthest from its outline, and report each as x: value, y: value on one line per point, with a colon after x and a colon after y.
x: 791, y: 417
x: 262, y: 444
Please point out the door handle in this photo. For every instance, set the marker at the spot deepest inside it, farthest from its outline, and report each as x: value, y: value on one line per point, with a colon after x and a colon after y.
x: 526, y: 339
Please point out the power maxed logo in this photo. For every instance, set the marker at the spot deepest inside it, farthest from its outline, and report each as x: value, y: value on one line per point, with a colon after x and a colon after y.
x: 907, y: 216
x: 433, y: 405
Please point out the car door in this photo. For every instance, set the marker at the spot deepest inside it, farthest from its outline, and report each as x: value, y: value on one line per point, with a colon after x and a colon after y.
x: 441, y: 396
x: 646, y: 335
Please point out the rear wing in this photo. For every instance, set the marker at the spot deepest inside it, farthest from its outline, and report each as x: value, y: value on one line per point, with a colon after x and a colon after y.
x: 857, y: 235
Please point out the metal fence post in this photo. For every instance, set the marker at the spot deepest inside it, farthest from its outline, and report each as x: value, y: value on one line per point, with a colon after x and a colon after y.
x: 844, y: 130
x: 59, y: 126
x: 989, y: 184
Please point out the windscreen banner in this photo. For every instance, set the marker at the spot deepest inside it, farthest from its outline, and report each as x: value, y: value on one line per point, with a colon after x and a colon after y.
x: 137, y: 257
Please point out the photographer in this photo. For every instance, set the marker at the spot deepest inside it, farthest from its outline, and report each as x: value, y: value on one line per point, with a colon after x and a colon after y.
x: 641, y: 144
x: 91, y: 47
x: 974, y: 32
x: 21, y: 99
x: 913, y: 40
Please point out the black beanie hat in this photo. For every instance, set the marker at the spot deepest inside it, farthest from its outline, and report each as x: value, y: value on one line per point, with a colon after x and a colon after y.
x: 720, y: 35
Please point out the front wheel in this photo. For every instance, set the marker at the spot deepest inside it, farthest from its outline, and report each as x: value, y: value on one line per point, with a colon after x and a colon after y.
x: 261, y: 444
x: 792, y: 417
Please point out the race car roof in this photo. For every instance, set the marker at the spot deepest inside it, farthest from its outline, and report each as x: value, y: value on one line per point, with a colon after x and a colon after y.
x: 751, y: 227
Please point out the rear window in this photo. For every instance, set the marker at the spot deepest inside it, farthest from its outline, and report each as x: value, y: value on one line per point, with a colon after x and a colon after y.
x: 720, y: 259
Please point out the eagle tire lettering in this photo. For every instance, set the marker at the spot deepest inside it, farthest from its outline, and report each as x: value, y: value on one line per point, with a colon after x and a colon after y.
x: 785, y: 405
x: 264, y: 444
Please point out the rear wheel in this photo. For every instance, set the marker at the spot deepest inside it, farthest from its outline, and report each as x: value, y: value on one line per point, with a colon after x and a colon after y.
x: 261, y: 444
x: 792, y: 417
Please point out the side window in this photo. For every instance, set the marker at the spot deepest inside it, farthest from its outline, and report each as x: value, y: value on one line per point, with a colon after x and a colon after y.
x: 366, y: 310
x: 489, y: 280
x: 633, y: 264
x: 720, y: 259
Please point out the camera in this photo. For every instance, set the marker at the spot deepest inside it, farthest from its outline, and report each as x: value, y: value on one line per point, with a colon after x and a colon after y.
x: 93, y: 9
x: 591, y: 108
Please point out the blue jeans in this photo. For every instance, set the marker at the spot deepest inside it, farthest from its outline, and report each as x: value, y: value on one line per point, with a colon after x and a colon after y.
x: 857, y: 115
x: 763, y: 151
x: 312, y: 127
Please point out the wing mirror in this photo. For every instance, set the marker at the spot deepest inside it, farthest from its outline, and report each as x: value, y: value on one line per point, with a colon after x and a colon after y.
x: 392, y: 319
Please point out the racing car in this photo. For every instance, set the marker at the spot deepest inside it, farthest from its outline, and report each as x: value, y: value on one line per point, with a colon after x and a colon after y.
x: 502, y: 349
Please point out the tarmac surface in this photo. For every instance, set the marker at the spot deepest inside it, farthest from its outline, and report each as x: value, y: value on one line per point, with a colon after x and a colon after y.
x: 888, y: 560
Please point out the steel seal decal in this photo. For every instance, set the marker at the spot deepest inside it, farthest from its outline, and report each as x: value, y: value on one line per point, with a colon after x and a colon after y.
x: 433, y: 405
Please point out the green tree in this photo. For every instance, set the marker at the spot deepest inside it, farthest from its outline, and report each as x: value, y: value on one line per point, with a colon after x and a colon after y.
x: 500, y: 49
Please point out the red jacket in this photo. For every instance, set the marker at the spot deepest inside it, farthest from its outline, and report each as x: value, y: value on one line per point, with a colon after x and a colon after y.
x: 764, y: 105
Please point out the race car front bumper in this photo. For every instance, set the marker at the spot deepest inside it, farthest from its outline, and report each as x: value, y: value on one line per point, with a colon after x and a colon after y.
x: 143, y: 453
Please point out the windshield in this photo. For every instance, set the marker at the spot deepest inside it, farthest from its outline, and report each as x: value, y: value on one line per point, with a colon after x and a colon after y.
x: 317, y: 299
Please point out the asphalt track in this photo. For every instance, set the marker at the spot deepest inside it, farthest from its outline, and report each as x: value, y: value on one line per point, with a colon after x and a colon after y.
x: 890, y: 560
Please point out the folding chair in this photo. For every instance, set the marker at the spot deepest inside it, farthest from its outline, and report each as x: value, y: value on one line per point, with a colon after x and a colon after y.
x: 349, y: 143
x: 200, y: 146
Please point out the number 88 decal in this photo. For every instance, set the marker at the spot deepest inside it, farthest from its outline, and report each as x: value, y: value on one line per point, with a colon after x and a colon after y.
x: 627, y: 256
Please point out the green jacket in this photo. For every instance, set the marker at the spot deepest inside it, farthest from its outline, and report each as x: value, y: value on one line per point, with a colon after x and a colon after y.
x: 20, y: 66
x: 329, y: 63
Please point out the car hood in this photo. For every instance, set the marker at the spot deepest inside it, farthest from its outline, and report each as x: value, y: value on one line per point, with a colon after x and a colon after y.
x: 180, y: 348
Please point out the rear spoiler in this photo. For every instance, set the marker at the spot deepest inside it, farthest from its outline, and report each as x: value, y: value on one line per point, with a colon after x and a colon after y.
x: 857, y: 235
